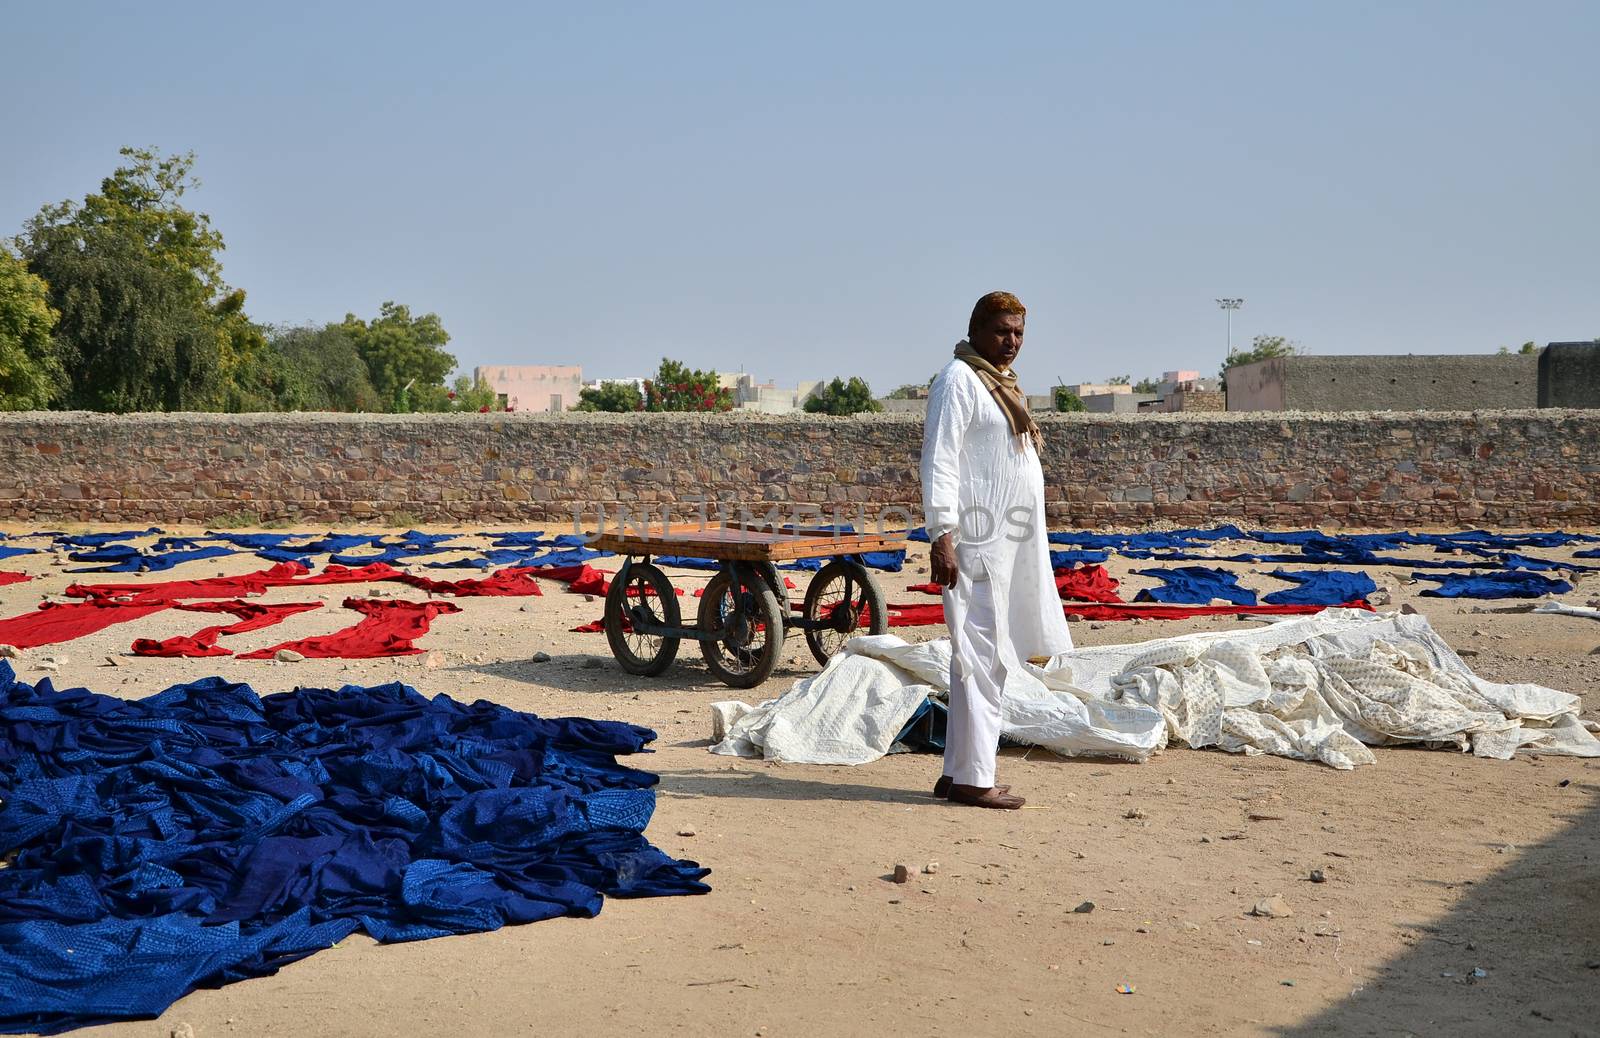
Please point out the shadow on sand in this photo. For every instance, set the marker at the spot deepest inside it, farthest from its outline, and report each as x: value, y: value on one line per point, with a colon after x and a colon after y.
x: 1533, y: 928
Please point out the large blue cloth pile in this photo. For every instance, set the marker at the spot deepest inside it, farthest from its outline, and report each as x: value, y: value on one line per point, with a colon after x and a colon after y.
x: 207, y: 834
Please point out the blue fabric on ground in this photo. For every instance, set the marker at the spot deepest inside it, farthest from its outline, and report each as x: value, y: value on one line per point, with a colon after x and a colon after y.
x: 7, y: 551
x: 96, y: 540
x: 515, y: 539
x: 1321, y: 587
x: 131, y: 560
x: 1070, y: 557
x: 252, y: 541
x: 919, y: 533
x: 1507, y: 584
x: 206, y: 834
x: 1194, y: 585
x: 924, y: 731
x: 388, y: 554
x: 1588, y: 553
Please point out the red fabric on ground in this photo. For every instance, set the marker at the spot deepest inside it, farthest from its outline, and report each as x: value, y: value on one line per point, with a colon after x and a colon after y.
x: 252, y: 616
x: 581, y: 579
x: 56, y: 622
x: 513, y: 581
x: 7, y: 577
x: 1087, y: 583
x: 927, y: 589
x: 922, y: 614
x: 387, y: 628
x: 284, y: 574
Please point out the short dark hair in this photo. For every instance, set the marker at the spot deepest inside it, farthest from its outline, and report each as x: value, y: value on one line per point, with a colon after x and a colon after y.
x: 990, y: 305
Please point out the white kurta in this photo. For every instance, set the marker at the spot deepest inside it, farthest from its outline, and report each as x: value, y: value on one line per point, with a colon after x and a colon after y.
x: 986, y: 486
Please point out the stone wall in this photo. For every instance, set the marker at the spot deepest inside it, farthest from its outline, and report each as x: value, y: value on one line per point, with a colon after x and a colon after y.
x: 1536, y: 468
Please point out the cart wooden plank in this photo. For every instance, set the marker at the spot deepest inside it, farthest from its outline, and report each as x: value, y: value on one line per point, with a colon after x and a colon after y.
x: 742, y: 543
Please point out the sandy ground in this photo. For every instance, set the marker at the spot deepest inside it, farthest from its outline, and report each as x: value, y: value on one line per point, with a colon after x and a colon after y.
x: 1437, y: 864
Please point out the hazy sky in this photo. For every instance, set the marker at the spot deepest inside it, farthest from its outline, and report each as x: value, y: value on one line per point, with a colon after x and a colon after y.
x: 807, y: 190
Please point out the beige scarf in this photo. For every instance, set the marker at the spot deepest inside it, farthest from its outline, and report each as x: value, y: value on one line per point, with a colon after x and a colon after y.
x: 1003, y: 387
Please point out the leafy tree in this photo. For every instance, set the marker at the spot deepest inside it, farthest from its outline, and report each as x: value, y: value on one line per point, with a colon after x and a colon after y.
x: 841, y: 398
x: 910, y: 391
x: 617, y: 397
x: 404, y: 355
x: 676, y: 387
x: 1119, y: 380
x: 30, y: 375
x: 1262, y: 347
x: 1067, y: 400
x: 318, y: 368
x: 1146, y: 385
x: 146, y: 320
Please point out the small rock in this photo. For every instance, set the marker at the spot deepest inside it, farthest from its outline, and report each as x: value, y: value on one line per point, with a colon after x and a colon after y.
x: 48, y: 665
x: 1192, y: 927
x: 539, y: 657
x: 1205, y: 839
x: 183, y: 1030
x: 10, y: 652
x: 1480, y: 633
x: 1564, y: 783
x: 1134, y: 812
x: 1141, y: 929
x: 930, y: 869
x: 901, y: 874
x: 1408, y: 609
x: 1074, y: 618
x: 588, y: 598
x: 433, y: 661
x: 288, y: 656
x: 1263, y: 816
x: 1108, y: 942
x: 112, y: 661
x: 1084, y: 909
x: 1378, y: 598
x: 1318, y: 876
x: 1274, y: 907
x: 593, y: 663
x: 686, y: 832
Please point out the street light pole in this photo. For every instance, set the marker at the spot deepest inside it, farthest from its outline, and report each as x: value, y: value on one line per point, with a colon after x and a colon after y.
x: 1230, y: 305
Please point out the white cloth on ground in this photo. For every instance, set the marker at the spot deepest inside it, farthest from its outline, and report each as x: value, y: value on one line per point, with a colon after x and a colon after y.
x: 1322, y: 687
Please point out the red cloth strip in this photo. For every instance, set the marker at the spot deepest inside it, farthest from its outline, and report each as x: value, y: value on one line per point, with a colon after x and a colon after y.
x: 387, y: 628
x: 513, y: 581
x: 252, y: 617
x: 284, y: 574
x: 8, y: 577
x: 63, y: 621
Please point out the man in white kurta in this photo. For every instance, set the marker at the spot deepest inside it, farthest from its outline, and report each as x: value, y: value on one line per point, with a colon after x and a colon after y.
x: 983, y: 506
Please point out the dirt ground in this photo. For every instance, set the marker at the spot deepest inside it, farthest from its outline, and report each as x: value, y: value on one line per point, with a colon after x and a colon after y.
x: 1437, y: 864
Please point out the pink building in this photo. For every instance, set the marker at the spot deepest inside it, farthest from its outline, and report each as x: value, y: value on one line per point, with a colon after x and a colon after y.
x: 534, y: 387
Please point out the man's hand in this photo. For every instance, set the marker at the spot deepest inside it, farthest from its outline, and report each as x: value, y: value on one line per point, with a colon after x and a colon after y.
x: 943, y: 558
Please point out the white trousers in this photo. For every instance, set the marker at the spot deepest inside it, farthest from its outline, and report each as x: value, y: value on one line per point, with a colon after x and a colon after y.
x: 977, y: 682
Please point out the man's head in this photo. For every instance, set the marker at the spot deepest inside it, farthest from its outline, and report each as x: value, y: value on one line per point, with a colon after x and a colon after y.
x: 995, y: 329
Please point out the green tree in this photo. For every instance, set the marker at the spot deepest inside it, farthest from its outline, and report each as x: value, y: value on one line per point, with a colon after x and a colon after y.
x: 616, y: 397
x: 841, y: 398
x: 1119, y: 380
x: 1067, y: 400
x: 1146, y: 385
x: 30, y: 375
x: 677, y: 387
x: 318, y: 368
x: 910, y: 391
x: 1262, y: 347
x: 404, y: 355
x: 146, y: 320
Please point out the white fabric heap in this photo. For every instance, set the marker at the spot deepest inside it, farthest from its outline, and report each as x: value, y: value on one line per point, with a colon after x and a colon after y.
x: 1322, y: 688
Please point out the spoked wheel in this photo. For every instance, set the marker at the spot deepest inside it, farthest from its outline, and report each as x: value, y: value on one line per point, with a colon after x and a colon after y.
x: 748, y: 651
x: 646, y: 594
x: 844, y: 601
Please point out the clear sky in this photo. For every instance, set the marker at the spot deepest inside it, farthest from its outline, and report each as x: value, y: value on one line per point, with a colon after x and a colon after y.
x: 816, y: 189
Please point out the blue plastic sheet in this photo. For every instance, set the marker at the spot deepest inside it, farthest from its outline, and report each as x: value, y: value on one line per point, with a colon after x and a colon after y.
x: 1507, y: 584
x: 125, y: 559
x: 1321, y: 587
x: 206, y: 834
x: 1194, y: 585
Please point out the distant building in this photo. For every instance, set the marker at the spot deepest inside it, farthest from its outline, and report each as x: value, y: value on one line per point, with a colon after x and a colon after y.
x: 534, y: 387
x: 1185, y: 391
x: 1436, y: 382
x: 766, y: 397
x: 1085, y: 390
x: 600, y: 383
x: 1115, y: 402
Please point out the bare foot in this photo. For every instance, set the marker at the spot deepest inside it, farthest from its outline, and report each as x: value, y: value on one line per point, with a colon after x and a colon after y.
x: 941, y: 789
x: 977, y: 796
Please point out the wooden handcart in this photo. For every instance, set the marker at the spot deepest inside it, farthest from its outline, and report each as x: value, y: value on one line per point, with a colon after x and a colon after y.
x: 745, y: 612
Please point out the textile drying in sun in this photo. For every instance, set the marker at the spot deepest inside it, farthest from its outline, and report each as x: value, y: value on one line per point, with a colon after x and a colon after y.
x: 249, y: 616
x: 387, y: 628
x: 205, y: 834
x: 1199, y: 585
x: 1321, y: 587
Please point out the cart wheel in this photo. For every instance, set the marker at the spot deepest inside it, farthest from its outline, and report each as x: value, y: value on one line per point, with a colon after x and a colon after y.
x: 746, y: 655
x: 647, y: 594
x: 867, y: 612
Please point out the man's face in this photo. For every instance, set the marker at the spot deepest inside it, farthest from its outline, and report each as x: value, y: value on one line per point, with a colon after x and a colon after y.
x: 1000, y: 340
